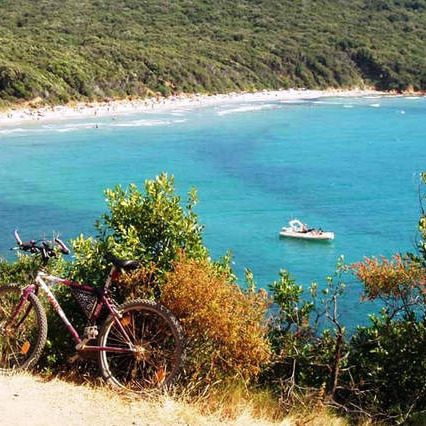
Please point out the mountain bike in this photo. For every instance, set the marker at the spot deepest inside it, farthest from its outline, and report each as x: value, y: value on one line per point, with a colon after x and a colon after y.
x: 139, y: 345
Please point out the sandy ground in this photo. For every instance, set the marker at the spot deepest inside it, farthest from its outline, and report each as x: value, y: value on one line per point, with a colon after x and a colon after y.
x: 27, y: 400
x: 30, y: 400
x: 24, y: 114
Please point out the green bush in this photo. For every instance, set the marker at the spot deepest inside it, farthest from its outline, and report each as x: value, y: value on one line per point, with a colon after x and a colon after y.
x: 151, y: 227
x: 380, y: 370
x: 389, y: 367
x: 23, y: 271
x: 307, y: 338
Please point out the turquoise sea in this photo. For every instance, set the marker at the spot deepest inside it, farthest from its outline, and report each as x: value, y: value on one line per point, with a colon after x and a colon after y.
x: 349, y: 165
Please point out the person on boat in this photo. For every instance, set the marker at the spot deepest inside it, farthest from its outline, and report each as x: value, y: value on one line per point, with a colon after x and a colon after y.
x: 304, y: 228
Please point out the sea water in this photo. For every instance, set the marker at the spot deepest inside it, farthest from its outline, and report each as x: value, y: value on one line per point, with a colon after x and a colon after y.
x: 347, y: 165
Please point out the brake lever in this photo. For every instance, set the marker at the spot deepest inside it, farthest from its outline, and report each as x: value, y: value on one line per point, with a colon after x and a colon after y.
x: 64, y: 248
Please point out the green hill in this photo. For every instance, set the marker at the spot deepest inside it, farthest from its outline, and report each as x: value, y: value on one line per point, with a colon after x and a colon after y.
x: 81, y: 49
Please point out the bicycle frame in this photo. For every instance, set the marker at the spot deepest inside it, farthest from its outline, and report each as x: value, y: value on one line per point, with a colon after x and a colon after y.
x: 41, y: 281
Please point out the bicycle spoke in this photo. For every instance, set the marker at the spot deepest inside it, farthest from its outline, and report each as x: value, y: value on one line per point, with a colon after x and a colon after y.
x: 12, y: 355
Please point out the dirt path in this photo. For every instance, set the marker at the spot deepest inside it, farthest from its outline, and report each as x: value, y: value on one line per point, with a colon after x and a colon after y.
x: 29, y: 400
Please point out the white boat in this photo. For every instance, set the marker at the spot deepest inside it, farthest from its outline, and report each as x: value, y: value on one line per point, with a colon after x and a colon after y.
x: 297, y: 229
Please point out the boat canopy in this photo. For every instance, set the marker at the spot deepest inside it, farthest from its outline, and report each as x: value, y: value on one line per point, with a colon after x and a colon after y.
x: 297, y: 226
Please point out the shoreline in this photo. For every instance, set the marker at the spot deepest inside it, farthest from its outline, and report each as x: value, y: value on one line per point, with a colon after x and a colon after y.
x: 83, y: 110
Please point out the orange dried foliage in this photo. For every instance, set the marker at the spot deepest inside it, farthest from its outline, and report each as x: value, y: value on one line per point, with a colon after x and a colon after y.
x: 390, y: 278
x: 224, y: 326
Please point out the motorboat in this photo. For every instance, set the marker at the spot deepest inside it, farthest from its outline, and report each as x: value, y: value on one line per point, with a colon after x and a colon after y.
x: 297, y: 229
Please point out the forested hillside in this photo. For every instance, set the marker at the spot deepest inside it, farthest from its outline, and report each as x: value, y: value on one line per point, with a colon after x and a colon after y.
x: 87, y: 49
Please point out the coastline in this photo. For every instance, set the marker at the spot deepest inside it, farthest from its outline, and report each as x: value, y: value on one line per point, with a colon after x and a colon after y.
x: 16, y: 115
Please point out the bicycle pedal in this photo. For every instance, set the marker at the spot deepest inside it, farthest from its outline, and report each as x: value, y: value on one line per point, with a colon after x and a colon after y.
x: 90, y: 332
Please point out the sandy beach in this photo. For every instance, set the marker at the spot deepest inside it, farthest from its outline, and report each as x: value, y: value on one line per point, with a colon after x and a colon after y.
x: 15, y: 116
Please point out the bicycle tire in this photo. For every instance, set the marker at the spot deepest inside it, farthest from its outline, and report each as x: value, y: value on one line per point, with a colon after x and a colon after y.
x: 158, y: 337
x: 22, y: 346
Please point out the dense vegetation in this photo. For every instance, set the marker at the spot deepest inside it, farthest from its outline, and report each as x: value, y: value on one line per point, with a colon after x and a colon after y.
x: 299, y: 351
x: 61, y: 51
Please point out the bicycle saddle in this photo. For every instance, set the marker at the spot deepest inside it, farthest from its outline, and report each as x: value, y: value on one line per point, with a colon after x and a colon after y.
x: 123, y: 263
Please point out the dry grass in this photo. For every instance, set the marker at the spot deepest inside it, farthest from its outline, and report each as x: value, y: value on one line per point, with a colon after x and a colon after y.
x: 27, y: 399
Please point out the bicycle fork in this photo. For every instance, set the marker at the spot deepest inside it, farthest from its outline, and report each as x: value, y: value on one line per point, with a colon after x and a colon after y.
x: 27, y: 291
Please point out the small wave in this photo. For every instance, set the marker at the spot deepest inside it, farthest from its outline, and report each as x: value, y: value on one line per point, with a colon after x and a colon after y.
x: 65, y: 129
x: 348, y: 106
x: 82, y: 125
x: 293, y: 101
x: 149, y: 123
x: 246, y: 109
x: 375, y: 105
x: 327, y: 102
x: 11, y: 131
x: 72, y: 127
x: 143, y: 123
x: 21, y: 131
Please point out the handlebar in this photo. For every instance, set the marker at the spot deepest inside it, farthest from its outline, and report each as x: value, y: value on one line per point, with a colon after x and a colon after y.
x: 45, y: 247
x: 18, y: 240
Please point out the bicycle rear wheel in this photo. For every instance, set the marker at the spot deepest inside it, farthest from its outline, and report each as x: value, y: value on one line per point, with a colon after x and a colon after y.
x: 158, y: 347
x: 21, y: 340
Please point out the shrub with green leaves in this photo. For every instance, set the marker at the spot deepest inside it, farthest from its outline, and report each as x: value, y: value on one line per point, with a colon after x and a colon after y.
x: 307, y: 337
x: 151, y: 227
x: 378, y: 371
x: 20, y: 272
x: 388, y: 356
x: 389, y: 367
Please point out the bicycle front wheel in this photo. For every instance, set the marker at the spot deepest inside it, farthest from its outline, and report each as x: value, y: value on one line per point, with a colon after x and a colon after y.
x: 22, y: 338
x: 157, y: 347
